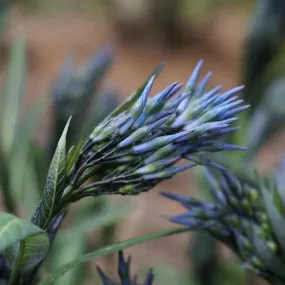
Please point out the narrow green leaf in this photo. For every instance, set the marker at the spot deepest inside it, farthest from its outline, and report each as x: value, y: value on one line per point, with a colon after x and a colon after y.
x: 73, y: 154
x: 13, y: 230
x: 50, y: 279
x: 133, y: 98
x: 54, y: 184
x: 12, y: 92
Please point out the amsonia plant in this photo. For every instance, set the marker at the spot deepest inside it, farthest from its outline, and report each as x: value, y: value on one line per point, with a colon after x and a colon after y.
x: 132, y: 150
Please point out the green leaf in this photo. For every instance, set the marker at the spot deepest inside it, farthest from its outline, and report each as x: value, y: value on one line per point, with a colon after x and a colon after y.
x: 50, y: 279
x: 73, y: 155
x: 12, y: 92
x: 13, y: 230
x: 133, y: 98
x: 54, y: 184
x: 32, y: 251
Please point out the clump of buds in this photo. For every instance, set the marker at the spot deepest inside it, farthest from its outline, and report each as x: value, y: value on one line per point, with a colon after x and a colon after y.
x: 136, y: 148
x: 247, y: 213
x: 124, y: 274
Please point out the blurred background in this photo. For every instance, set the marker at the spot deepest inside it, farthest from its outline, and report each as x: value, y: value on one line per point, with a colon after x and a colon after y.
x: 144, y: 33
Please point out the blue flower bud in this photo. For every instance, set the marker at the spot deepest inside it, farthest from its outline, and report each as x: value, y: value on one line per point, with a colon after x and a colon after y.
x: 158, y: 116
x: 210, y: 96
x: 228, y: 94
x: 156, y: 103
x: 157, y: 143
x: 141, y: 133
x: 112, y: 128
x: 190, y: 202
x: 202, y: 85
x: 182, y: 104
x: 139, y: 106
x: 192, y: 224
x: 168, y: 173
x: 191, y: 83
x: 160, y: 153
x: 157, y: 166
x: 235, y: 111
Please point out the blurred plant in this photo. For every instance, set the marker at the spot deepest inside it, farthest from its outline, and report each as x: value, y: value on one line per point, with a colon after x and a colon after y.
x: 265, y: 39
x: 3, y: 18
x: 144, y: 19
x: 247, y: 214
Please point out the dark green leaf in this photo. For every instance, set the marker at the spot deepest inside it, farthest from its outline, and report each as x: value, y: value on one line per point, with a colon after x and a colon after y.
x: 54, y: 184
x: 50, y: 279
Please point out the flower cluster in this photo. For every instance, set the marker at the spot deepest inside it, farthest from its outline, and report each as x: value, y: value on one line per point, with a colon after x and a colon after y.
x: 136, y: 148
x: 245, y: 216
x: 124, y: 274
